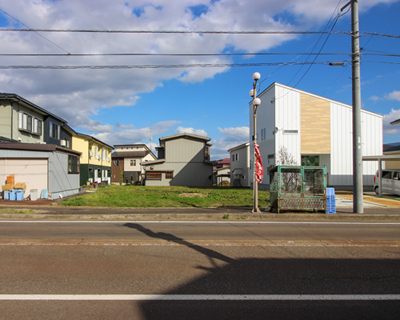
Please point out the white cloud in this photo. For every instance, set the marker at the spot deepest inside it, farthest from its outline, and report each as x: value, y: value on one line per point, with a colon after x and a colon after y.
x: 387, y: 118
x: 130, y: 134
x: 231, y: 137
x: 199, y: 132
x: 395, y: 95
x: 78, y: 95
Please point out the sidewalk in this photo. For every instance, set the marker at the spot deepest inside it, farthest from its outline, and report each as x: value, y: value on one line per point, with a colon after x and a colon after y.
x: 374, y: 209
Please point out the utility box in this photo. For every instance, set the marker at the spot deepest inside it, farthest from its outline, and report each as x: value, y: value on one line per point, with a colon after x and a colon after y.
x: 299, y: 188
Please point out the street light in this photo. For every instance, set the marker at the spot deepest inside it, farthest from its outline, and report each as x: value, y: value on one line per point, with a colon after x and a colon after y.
x: 256, y: 103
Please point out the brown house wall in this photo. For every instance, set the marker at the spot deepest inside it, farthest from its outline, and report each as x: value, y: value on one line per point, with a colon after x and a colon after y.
x: 115, y: 170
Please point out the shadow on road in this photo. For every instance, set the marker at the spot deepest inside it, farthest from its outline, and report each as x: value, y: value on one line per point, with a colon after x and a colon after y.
x: 276, y: 276
x: 211, y: 254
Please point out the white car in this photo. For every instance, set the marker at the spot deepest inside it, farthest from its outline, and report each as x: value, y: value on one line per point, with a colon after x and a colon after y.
x: 390, y: 181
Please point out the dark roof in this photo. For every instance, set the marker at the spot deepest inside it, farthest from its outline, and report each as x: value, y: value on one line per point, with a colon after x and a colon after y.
x: 36, y: 147
x: 93, y: 138
x: 4, y: 139
x: 131, y: 145
x: 16, y: 98
x: 390, y: 148
x: 395, y: 122
x: 130, y: 154
x: 185, y: 135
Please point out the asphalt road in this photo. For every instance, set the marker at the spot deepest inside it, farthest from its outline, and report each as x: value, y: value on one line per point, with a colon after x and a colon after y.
x: 204, y: 270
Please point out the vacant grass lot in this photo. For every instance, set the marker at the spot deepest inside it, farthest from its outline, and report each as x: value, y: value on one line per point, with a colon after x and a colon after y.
x: 157, y: 197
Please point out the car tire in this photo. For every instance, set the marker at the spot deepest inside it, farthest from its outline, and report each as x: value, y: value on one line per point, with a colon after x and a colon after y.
x: 377, y: 190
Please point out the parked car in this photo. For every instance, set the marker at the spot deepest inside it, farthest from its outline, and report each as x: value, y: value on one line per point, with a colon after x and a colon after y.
x: 390, y: 181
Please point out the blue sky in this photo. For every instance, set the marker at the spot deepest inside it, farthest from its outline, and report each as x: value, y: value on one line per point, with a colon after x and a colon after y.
x: 140, y: 105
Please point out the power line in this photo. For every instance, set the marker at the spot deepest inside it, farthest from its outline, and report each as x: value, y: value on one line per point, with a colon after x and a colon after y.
x: 171, y: 31
x: 188, y: 31
x: 193, y: 54
x: 166, y: 54
x: 151, y: 66
x: 30, y: 29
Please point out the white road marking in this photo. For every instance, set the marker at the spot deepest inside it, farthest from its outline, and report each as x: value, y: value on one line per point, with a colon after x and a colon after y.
x: 201, y: 297
x: 198, y: 222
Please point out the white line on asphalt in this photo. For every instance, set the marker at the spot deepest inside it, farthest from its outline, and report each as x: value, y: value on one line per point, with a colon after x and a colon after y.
x: 201, y: 297
x: 201, y: 222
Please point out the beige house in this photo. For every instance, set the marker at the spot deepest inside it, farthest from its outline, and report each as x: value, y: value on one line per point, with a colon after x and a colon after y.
x: 183, y: 160
x: 392, y: 151
x: 95, y: 161
x: 240, y: 165
x: 126, y: 162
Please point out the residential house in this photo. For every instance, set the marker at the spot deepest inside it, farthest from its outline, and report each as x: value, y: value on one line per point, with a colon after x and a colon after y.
x: 95, y: 162
x: 315, y: 131
x: 221, y: 172
x: 240, y: 165
x: 392, y: 151
x: 44, y: 168
x: 183, y: 160
x: 127, y: 159
x: 36, y: 146
x: 24, y: 121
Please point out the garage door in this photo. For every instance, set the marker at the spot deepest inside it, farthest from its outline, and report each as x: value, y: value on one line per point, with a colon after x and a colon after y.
x: 33, y: 172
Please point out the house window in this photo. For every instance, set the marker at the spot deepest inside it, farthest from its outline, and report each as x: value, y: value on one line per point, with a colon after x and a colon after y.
x: 116, y: 163
x: 28, y: 123
x: 54, y: 131
x: 73, y: 164
x: 153, y: 175
x: 263, y: 134
x: 312, y: 161
x: 37, y: 126
x: 233, y: 157
x: 207, y: 153
x: 169, y: 175
x: 133, y: 162
x: 237, y: 156
x: 290, y: 131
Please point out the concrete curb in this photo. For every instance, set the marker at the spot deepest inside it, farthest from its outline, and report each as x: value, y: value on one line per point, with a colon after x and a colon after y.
x: 199, y: 217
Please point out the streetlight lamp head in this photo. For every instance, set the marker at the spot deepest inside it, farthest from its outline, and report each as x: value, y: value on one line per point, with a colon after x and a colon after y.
x: 256, y: 76
x: 251, y: 93
x: 257, y: 102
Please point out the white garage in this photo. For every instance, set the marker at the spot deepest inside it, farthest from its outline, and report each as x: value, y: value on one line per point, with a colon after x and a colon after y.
x: 32, y: 172
x: 41, y: 166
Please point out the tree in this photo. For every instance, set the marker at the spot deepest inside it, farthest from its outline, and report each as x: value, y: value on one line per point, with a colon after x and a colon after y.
x: 290, y: 177
x: 284, y: 158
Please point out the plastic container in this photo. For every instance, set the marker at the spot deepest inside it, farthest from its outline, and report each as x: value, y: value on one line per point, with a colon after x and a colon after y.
x: 44, y: 194
x: 34, y: 193
x: 12, y: 195
x: 330, y: 200
x: 19, y: 195
x: 6, y: 195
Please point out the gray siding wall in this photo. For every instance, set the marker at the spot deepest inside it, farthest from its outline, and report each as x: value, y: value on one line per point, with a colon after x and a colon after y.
x: 60, y: 182
x: 188, y: 174
x: 184, y: 151
x: 26, y: 137
x: 186, y: 158
x: 5, y: 119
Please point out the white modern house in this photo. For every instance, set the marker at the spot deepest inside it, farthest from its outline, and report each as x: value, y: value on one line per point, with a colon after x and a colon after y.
x: 315, y: 131
x: 240, y: 165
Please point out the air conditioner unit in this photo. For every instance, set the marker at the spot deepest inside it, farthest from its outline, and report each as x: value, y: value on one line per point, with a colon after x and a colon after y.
x: 63, y: 143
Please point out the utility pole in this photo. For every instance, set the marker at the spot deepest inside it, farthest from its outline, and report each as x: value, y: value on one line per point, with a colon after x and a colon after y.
x: 357, y: 151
